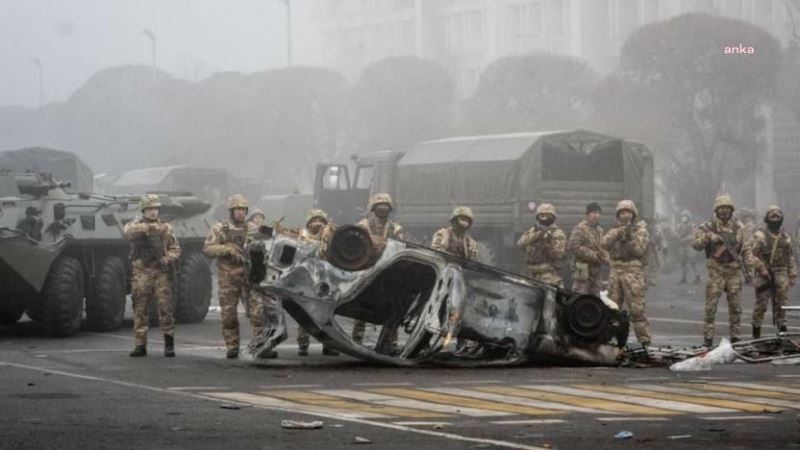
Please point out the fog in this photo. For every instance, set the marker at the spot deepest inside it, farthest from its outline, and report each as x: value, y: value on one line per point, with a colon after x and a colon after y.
x: 229, y: 89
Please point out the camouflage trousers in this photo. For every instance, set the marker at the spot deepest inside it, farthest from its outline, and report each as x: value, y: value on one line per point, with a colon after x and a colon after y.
x: 778, y: 297
x: 626, y: 284
x: 233, y: 289
x: 591, y: 283
x: 725, y: 278
x: 687, y: 262
x: 360, y: 327
x: 547, y: 275
x: 151, y: 285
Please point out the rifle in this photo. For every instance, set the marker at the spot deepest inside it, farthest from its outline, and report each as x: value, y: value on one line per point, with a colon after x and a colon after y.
x: 730, y: 248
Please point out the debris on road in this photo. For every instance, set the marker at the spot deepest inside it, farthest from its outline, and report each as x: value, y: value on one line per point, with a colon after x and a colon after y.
x: 623, y: 435
x: 230, y: 406
x: 361, y: 440
x: 680, y: 436
x: 300, y: 425
x: 723, y: 354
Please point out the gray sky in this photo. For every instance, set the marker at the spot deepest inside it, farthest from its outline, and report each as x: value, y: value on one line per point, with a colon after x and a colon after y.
x: 195, y: 38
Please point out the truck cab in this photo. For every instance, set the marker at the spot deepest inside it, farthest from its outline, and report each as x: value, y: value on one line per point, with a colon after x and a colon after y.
x: 345, y: 198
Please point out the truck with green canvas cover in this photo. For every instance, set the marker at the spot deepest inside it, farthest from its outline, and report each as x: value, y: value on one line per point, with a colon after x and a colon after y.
x: 501, y: 177
x: 72, y: 253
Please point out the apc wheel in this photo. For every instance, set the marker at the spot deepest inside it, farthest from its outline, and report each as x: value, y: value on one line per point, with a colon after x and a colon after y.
x: 63, y: 297
x: 193, y: 293
x: 10, y: 312
x: 105, y: 306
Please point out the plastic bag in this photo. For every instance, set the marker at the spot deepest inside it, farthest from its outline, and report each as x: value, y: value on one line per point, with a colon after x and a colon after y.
x: 723, y: 354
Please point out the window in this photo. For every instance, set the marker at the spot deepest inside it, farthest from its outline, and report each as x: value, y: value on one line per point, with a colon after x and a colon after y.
x: 465, y: 33
x: 582, y: 164
x: 334, y: 179
x: 364, y: 177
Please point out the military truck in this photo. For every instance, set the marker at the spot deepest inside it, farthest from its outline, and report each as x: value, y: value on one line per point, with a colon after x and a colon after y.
x: 501, y: 177
x: 70, y: 251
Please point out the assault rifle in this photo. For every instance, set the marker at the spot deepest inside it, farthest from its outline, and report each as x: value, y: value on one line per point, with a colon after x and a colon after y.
x: 731, y: 249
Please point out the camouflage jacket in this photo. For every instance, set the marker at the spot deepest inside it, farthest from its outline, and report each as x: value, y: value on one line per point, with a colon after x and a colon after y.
x: 381, y: 230
x: 584, y: 244
x: 544, y: 246
x: 446, y: 240
x: 321, y: 239
x: 627, y: 244
x: 150, y: 242
x: 715, y: 249
x: 771, y: 251
x: 226, y: 241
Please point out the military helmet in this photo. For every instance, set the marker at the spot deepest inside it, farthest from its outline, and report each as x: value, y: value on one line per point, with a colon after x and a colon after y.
x: 381, y: 197
x: 686, y: 213
x: 258, y: 212
x: 316, y: 213
x: 464, y: 211
x: 546, y: 208
x: 627, y: 205
x: 723, y: 200
x: 773, y: 208
x: 238, y: 201
x: 149, y: 201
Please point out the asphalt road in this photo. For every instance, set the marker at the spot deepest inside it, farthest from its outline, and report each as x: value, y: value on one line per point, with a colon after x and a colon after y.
x: 85, y: 392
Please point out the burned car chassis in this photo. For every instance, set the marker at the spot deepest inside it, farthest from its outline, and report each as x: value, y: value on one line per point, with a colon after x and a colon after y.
x: 434, y: 299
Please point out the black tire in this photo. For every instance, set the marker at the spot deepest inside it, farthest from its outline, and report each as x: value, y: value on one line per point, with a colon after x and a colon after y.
x: 10, y: 312
x: 105, y: 304
x: 193, y: 292
x: 63, y: 297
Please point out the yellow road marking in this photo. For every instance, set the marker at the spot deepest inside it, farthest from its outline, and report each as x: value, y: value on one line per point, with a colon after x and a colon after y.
x: 742, y: 406
x: 739, y: 391
x: 606, y: 405
x: 327, y: 401
x: 464, y: 401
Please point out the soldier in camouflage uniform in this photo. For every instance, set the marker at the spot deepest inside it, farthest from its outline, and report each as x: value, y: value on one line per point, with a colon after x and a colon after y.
x: 380, y: 228
x: 455, y: 239
x: 545, y: 245
x: 31, y: 224
x: 654, y: 248
x: 257, y: 218
x: 588, y: 255
x: 154, y: 250
x: 226, y: 241
x: 769, y: 253
x: 318, y: 230
x: 724, y: 272
x: 626, y: 244
x: 685, y: 235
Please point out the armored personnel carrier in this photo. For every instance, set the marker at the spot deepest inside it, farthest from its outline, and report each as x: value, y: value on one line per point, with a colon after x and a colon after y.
x: 64, y: 253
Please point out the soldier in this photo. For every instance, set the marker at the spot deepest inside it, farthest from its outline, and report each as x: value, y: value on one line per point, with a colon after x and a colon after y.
x: 318, y: 230
x: 380, y: 228
x: 455, y: 239
x: 31, y: 224
x: 588, y: 255
x: 545, y: 245
x: 226, y: 241
x: 654, y: 248
x: 723, y: 265
x: 257, y: 218
x: 154, y: 250
x: 626, y: 244
x: 770, y: 254
x: 60, y: 222
x: 685, y: 232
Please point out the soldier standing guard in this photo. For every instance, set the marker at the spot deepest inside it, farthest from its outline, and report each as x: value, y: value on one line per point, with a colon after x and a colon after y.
x: 545, y: 245
x: 722, y: 239
x: 684, y: 233
x: 589, y: 256
x: 318, y: 230
x: 380, y: 228
x: 455, y: 239
x: 226, y: 241
x: 770, y: 254
x: 626, y: 244
x: 154, y: 250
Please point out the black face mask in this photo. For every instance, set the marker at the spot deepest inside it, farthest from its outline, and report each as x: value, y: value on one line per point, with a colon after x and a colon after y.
x: 774, y: 225
x: 546, y: 222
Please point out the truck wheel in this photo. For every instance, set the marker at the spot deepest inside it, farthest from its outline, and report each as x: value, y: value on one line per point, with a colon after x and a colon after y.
x: 105, y: 305
x: 10, y: 312
x: 63, y: 297
x: 193, y: 293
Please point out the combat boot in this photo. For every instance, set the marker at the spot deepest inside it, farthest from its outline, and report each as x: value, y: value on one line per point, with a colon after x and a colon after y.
x: 327, y: 351
x: 139, y: 350
x: 756, y: 332
x: 169, y: 346
x: 233, y: 353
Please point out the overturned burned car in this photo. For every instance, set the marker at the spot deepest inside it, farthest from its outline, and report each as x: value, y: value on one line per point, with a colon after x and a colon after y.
x: 426, y: 307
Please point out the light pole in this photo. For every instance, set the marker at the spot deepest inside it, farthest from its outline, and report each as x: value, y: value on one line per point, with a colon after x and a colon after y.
x: 152, y: 38
x: 288, y: 4
x: 40, y: 68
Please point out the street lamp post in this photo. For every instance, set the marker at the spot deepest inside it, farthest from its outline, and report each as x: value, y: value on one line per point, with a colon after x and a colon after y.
x: 152, y: 38
x: 288, y: 4
x: 40, y: 68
